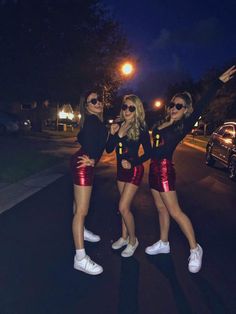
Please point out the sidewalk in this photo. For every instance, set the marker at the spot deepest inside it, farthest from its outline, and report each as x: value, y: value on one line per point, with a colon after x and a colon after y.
x: 12, y: 194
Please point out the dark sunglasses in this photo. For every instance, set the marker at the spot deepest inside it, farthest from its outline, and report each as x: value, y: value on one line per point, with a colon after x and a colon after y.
x: 130, y: 108
x: 177, y: 106
x: 94, y: 101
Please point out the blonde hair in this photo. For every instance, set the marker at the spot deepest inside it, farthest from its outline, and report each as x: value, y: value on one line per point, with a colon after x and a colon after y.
x: 138, y: 124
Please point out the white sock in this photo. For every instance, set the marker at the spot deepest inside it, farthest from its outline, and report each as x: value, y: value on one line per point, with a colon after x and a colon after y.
x: 164, y: 242
x: 80, y: 254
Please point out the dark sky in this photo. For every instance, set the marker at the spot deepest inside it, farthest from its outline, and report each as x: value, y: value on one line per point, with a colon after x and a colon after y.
x: 176, y: 39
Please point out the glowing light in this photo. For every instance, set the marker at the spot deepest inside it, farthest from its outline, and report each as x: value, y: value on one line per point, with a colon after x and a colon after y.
x: 79, y: 116
x: 62, y: 115
x: 127, y: 68
x: 157, y: 103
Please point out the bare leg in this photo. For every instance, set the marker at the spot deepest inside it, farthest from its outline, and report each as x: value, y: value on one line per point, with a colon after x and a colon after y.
x: 124, y: 208
x: 82, y: 196
x: 121, y: 186
x: 164, y: 217
x: 171, y: 202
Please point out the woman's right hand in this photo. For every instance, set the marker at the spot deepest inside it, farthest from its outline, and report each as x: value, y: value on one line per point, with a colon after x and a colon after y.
x: 227, y: 75
x: 124, y: 129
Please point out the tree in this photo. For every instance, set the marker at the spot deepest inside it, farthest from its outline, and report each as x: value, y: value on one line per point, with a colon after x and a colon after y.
x: 57, y: 49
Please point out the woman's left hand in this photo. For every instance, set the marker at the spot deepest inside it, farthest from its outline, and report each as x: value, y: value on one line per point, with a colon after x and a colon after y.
x: 85, y: 161
x: 227, y: 75
x: 125, y: 164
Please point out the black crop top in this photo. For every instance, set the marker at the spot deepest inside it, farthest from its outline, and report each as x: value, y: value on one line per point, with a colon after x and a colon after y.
x: 93, y: 136
x: 166, y: 139
x: 128, y: 149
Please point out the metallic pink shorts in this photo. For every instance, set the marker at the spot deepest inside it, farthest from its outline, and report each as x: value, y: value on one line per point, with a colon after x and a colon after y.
x: 133, y: 175
x: 162, y: 175
x: 81, y: 176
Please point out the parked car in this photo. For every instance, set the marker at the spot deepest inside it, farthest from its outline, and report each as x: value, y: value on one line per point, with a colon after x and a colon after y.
x: 11, y: 123
x: 221, y: 147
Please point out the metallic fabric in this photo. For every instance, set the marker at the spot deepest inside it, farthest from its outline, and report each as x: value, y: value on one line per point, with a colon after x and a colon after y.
x: 162, y: 175
x: 81, y: 176
x: 133, y: 175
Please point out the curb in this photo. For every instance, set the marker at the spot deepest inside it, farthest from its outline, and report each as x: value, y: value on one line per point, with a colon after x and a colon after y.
x: 201, y: 149
x: 12, y: 194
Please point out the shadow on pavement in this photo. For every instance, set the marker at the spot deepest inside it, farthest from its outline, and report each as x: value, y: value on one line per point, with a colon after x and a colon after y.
x: 164, y: 264
x: 128, y: 287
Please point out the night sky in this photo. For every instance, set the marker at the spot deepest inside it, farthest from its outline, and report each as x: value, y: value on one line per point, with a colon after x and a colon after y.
x: 174, y: 40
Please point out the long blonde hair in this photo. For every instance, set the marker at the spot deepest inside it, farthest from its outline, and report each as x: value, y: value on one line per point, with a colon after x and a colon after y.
x: 138, y: 124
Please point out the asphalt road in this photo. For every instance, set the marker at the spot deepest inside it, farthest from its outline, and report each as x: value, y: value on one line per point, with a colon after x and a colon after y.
x: 36, y: 264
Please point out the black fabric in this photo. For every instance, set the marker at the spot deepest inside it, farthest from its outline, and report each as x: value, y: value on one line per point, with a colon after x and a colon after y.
x: 128, y: 149
x: 93, y: 136
x: 166, y: 139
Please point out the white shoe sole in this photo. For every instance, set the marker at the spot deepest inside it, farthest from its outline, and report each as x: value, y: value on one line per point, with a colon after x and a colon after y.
x: 162, y: 251
x: 118, y: 247
x: 92, y: 240
x: 77, y: 267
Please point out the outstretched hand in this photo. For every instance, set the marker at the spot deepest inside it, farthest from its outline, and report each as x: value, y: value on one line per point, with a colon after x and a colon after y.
x: 227, y: 75
x: 85, y: 161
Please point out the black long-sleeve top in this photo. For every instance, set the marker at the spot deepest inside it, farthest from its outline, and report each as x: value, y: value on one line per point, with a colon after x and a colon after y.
x: 92, y: 137
x: 128, y: 149
x: 165, y: 140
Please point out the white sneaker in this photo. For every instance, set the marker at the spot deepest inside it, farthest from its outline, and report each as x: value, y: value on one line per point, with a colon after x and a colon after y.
x: 120, y: 243
x: 130, y: 249
x: 158, y: 247
x: 91, y: 237
x: 87, y: 266
x: 195, y: 259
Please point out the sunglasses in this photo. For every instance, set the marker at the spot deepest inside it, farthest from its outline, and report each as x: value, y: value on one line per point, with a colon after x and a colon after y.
x: 94, y: 101
x: 177, y: 106
x: 130, y: 108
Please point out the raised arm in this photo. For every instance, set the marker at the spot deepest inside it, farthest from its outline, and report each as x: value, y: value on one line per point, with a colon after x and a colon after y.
x: 207, y: 97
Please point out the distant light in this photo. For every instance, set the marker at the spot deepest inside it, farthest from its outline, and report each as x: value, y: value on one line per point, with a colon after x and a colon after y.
x: 79, y: 116
x: 70, y: 116
x: 127, y: 68
x: 157, y: 103
x: 62, y: 114
x: 110, y: 121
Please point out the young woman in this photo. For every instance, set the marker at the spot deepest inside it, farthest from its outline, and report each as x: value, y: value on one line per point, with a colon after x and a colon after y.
x: 179, y: 121
x: 126, y: 139
x: 92, y: 138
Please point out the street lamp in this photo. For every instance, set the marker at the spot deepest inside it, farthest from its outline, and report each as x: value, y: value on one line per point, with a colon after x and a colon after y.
x: 157, y: 103
x: 127, y: 68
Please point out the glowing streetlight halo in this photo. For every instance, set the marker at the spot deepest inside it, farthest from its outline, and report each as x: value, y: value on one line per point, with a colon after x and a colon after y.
x: 127, y: 68
x: 157, y: 103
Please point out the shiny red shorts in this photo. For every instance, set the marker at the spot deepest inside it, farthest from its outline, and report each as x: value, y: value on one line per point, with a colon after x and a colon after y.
x: 133, y: 175
x: 162, y: 175
x: 81, y: 176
